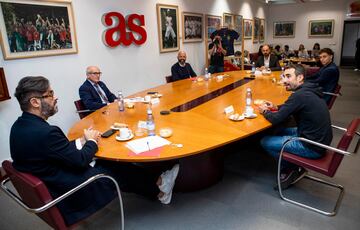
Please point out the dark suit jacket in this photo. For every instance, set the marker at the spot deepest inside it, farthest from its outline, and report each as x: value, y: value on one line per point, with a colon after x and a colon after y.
x: 44, y: 151
x: 91, y: 98
x: 327, y: 77
x: 273, y: 64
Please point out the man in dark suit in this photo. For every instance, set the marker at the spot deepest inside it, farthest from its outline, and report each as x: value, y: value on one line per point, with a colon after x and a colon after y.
x: 43, y: 150
x: 94, y: 92
x: 267, y: 60
x: 328, y: 76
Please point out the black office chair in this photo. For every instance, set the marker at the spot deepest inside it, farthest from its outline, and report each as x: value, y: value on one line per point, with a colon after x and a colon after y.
x: 169, y: 79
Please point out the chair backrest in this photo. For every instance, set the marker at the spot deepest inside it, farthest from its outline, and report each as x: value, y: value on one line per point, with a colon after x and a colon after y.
x: 333, y: 98
x: 79, y: 104
x: 34, y: 194
x: 228, y: 66
x: 169, y: 79
x: 344, y: 144
x: 254, y: 57
x: 311, y: 70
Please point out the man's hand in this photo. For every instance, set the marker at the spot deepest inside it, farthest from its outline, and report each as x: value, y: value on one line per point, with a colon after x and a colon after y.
x: 92, y: 134
x: 267, y: 105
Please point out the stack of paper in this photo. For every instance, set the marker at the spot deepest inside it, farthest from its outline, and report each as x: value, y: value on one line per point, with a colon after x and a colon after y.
x: 146, y: 144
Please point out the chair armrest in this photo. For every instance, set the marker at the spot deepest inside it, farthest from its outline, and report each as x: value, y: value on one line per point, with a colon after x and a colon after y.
x: 332, y: 94
x: 18, y: 200
x: 346, y: 153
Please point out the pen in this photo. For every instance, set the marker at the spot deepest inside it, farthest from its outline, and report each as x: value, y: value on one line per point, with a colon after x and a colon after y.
x: 148, y: 145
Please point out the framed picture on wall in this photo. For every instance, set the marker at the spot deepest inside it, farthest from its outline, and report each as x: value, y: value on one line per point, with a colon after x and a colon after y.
x: 192, y: 27
x: 36, y: 28
x: 321, y: 28
x: 248, y: 28
x: 256, y: 30
x: 213, y: 23
x: 4, y: 92
x: 168, y: 27
x: 262, y: 30
x: 228, y: 20
x: 238, y: 27
x: 284, y: 29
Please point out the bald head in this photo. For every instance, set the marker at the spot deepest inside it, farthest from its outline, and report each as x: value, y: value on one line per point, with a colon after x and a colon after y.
x: 181, y: 57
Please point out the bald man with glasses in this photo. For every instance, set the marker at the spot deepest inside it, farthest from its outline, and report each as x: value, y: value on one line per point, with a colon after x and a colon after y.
x: 94, y: 92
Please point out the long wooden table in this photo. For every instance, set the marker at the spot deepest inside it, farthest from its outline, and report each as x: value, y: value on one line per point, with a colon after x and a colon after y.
x: 200, y: 130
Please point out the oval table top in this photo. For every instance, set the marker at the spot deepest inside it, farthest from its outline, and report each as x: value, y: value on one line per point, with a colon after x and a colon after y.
x: 199, y: 129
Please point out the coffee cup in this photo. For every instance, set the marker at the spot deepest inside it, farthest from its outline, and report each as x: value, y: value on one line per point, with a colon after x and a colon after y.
x: 124, y: 133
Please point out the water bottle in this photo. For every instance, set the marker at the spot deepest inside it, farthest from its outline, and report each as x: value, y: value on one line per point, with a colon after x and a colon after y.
x: 207, y: 74
x: 150, y: 123
x: 121, y: 101
x: 248, y: 108
x: 253, y: 68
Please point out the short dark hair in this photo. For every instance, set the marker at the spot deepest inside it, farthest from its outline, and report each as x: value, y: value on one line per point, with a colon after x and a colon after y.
x: 327, y: 50
x: 29, y: 87
x: 237, y: 53
x: 299, y: 69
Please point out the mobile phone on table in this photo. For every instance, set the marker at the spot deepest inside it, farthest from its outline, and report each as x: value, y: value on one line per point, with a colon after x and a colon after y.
x: 108, y: 133
x: 152, y: 92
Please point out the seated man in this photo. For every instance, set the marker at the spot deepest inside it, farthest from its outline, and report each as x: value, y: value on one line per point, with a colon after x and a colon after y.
x: 312, y: 118
x: 328, y: 76
x: 43, y: 150
x: 94, y: 92
x: 181, y: 69
x: 267, y: 60
x: 288, y: 53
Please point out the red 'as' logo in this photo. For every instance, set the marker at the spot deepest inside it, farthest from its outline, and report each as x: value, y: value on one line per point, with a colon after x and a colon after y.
x: 117, y: 34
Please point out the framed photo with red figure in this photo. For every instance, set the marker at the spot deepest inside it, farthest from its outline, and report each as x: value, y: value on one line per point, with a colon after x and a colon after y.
x: 36, y: 28
x: 4, y: 92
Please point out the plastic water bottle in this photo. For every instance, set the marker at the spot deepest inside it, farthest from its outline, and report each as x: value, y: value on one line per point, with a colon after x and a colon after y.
x: 150, y: 123
x: 253, y: 68
x: 207, y: 74
x: 248, y: 97
x: 248, y: 108
x: 121, y: 102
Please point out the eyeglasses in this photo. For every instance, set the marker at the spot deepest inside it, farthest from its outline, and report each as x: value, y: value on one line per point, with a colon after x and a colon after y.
x: 50, y: 94
x: 95, y: 73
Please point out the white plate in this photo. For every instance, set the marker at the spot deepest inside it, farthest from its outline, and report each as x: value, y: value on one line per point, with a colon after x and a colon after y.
x: 124, y: 139
x: 250, y: 117
x: 240, y: 118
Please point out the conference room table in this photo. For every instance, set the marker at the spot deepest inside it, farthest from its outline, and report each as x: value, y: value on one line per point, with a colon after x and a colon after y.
x: 197, y: 119
x: 306, y: 61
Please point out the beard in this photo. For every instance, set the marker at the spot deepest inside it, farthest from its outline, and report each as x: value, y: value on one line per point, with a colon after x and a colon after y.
x: 181, y: 61
x: 47, y: 110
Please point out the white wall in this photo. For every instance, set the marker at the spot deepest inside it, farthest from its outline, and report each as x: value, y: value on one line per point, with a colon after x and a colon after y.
x: 302, y: 13
x: 130, y: 69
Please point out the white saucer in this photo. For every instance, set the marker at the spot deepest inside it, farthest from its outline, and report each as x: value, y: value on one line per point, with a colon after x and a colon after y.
x: 114, y: 128
x: 124, y: 139
x: 250, y: 117
x: 240, y: 118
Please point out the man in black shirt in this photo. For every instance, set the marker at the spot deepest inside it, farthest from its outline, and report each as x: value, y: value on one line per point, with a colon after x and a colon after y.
x: 313, y: 122
x: 181, y: 69
x: 217, y: 53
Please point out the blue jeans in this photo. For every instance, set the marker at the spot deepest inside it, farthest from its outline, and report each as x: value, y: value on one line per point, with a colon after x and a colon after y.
x: 216, y: 69
x: 273, y: 145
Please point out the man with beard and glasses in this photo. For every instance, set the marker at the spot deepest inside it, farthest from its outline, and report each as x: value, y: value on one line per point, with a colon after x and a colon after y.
x: 312, y: 117
x: 181, y: 69
x: 43, y: 150
x: 267, y: 60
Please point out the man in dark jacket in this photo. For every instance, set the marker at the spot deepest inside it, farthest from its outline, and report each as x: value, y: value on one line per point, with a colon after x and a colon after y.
x: 94, y: 92
x: 181, y: 69
x: 328, y: 76
x: 267, y: 60
x: 311, y: 115
x: 43, y: 150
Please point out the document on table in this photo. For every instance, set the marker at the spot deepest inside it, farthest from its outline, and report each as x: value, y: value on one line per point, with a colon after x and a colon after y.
x: 146, y: 144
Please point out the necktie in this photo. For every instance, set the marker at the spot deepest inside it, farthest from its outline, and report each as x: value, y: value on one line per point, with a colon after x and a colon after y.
x: 101, y: 94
